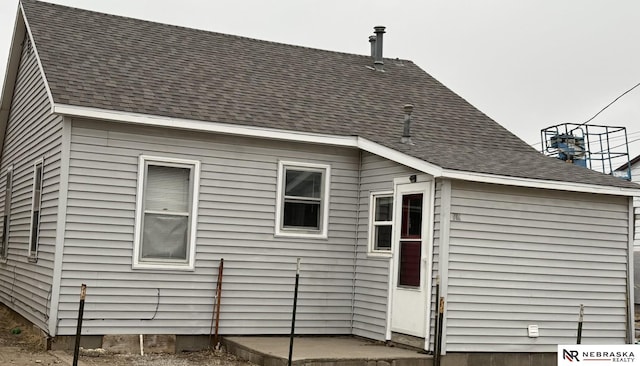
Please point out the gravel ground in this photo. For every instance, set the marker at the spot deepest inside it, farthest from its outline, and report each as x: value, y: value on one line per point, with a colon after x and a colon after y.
x: 21, y: 346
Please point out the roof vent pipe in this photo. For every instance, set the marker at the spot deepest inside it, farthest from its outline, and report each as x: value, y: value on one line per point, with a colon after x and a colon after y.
x: 406, y: 133
x: 372, y: 41
x: 378, y: 63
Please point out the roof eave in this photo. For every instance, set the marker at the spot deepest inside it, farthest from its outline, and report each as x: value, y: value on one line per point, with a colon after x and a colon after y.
x: 205, y: 126
x: 629, y: 164
x: 11, y: 72
x: 345, y: 141
x: 540, y: 183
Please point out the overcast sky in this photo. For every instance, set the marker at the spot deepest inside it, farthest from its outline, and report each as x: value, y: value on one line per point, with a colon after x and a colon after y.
x: 528, y: 64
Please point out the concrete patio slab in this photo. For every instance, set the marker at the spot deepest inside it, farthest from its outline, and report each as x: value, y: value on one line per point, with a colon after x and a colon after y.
x: 323, y: 351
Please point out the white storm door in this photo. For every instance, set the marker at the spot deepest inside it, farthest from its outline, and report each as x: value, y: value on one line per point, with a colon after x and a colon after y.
x: 410, y: 250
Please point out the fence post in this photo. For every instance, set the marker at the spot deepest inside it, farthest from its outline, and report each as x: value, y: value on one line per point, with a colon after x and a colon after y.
x: 76, y: 350
x: 293, y: 317
x: 580, y: 318
x: 438, y: 346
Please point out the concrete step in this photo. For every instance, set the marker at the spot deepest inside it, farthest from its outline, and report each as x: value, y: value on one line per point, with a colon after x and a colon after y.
x: 322, y: 351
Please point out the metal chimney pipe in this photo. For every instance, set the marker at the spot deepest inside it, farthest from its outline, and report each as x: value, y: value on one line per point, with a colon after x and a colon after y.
x: 372, y: 41
x: 378, y: 63
x: 406, y: 133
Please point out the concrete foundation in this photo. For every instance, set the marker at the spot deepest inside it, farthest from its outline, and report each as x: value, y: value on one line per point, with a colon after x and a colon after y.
x: 67, y: 343
x: 130, y: 343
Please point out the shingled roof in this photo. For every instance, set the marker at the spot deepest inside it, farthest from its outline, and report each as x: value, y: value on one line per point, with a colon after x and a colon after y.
x: 121, y: 64
x: 631, y: 163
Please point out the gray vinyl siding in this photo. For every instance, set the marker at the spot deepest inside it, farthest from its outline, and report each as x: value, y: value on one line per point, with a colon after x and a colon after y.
x: 372, y: 273
x: 523, y: 256
x: 236, y: 222
x: 635, y: 177
x: 32, y: 133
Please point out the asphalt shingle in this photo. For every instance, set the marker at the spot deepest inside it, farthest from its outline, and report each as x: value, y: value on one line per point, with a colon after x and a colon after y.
x: 116, y: 63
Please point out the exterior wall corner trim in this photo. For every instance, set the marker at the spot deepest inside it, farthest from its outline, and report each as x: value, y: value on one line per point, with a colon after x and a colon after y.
x: 60, y: 226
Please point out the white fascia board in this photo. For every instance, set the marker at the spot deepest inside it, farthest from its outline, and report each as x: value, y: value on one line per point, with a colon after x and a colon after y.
x: 399, y: 157
x: 187, y: 124
x: 11, y: 73
x: 346, y: 141
x: 538, y: 183
x: 35, y: 52
x: 251, y: 131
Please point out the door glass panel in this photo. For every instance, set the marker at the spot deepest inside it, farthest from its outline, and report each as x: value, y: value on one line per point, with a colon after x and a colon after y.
x: 410, y: 263
x: 411, y: 216
x: 410, y: 241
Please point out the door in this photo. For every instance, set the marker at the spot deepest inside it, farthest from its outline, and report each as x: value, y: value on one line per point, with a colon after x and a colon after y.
x: 410, y: 277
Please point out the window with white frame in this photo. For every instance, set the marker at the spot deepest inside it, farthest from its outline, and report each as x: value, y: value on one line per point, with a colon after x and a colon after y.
x: 166, y: 212
x: 380, y: 222
x: 35, y: 209
x: 302, y: 207
x: 4, y: 245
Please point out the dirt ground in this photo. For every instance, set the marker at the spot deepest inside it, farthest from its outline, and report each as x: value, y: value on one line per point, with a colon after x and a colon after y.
x: 20, y: 345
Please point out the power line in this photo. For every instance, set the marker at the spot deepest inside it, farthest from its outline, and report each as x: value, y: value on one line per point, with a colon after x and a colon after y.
x: 600, y: 111
x: 622, y: 136
x: 629, y: 143
x: 608, y: 105
x: 617, y: 138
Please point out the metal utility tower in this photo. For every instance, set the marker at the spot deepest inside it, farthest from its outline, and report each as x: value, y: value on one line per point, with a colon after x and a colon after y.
x: 597, y: 147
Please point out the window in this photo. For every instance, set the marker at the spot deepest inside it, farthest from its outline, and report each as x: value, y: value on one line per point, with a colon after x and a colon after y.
x: 380, y: 222
x: 302, y: 207
x: 35, y: 210
x: 7, y: 212
x: 166, y: 213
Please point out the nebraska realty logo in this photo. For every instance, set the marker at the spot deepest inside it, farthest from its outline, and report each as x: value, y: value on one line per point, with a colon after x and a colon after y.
x: 596, y: 355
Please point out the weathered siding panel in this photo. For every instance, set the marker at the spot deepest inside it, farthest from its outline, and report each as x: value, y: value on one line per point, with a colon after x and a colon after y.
x: 235, y: 221
x: 372, y: 273
x: 32, y: 133
x: 527, y: 256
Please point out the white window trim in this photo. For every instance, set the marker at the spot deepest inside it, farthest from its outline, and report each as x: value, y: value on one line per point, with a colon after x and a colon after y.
x: 191, y: 245
x: 324, y: 224
x: 372, y: 252
x: 33, y: 254
x: 4, y: 245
